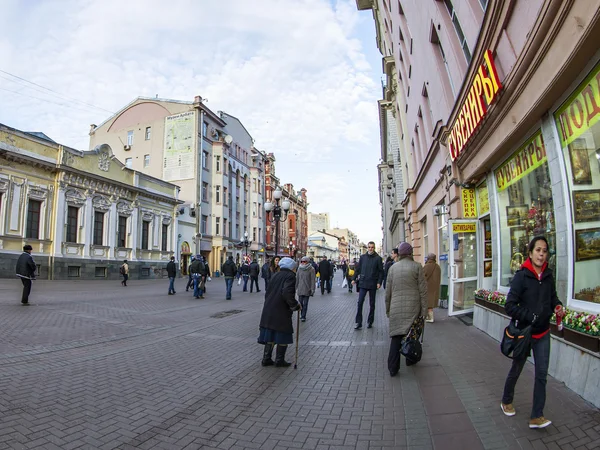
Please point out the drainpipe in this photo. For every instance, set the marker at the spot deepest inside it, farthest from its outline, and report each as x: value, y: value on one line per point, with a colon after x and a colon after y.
x: 198, y: 104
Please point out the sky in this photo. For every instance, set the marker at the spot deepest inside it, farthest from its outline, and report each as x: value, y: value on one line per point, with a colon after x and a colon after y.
x: 303, y: 76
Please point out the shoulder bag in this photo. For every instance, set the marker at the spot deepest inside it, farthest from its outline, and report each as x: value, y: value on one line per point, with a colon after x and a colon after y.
x: 412, y: 347
x: 516, y: 343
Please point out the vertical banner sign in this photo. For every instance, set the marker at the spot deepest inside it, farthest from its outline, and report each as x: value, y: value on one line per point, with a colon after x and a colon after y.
x: 483, y: 200
x: 469, y: 203
x: 178, y: 161
x: 482, y: 94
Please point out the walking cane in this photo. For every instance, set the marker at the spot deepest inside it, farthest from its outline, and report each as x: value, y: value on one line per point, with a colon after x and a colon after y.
x: 297, y: 338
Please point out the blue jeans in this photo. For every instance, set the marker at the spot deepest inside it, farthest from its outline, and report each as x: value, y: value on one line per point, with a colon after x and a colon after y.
x: 245, y: 282
x: 361, y: 300
x: 304, y: 302
x: 171, y: 285
x: 541, y: 356
x: 197, y: 291
x: 228, y: 285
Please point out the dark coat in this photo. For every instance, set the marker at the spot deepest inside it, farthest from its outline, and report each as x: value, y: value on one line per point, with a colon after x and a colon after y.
x: 369, y: 271
x: 197, y: 267
x: 280, y: 302
x: 254, y: 269
x: 171, y: 269
x: 325, y: 271
x: 245, y: 269
x: 529, y: 296
x: 25, y: 266
x: 229, y: 269
x: 265, y: 271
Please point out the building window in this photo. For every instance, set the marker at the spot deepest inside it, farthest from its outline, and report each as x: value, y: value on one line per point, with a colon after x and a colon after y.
x: 218, y: 194
x: 100, y: 272
x: 525, y: 205
x: 98, y: 228
x: 130, y: 137
x: 218, y: 164
x: 254, y: 234
x: 459, y: 32
x: 146, y: 160
x: 73, y: 271
x: 145, y: 234
x: 165, y: 237
x: 218, y: 226
x: 260, y: 235
x: 33, y: 219
x: 226, y: 230
x: 579, y: 133
x: 204, y: 192
x: 122, y: 231
x: 254, y: 209
x: 203, y: 224
x: 225, y: 196
x: 205, y: 160
x: 237, y: 231
x: 484, y: 4
x: 447, y: 67
x: 72, y: 214
x: 128, y: 163
x: 148, y: 133
x: 204, y: 129
x: 425, y: 237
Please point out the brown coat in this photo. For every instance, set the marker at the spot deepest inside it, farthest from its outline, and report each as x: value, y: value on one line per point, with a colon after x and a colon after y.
x: 433, y: 275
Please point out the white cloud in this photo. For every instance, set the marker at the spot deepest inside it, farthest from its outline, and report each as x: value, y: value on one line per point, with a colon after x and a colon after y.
x: 294, y: 71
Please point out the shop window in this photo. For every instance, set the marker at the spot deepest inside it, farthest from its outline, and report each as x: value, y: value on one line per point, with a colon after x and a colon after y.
x: 98, y: 228
x: 72, y: 214
x: 578, y: 123
x: 145, y: 234
x: 33, y: 219
x: 525, y: 205
x: 165, y: 237
x: 122, y: 231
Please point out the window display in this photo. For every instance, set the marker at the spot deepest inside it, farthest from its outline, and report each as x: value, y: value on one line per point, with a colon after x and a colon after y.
x: 578, y: 123
x: 525, y: 205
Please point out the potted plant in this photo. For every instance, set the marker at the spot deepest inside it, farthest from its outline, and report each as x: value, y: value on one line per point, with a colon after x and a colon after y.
x: 582, y: 329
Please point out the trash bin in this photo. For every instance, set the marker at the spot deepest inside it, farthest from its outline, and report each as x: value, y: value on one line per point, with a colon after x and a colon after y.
x: 216, y: 274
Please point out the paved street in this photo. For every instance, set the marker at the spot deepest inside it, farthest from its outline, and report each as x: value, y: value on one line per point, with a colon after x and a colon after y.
x: 92, y: 365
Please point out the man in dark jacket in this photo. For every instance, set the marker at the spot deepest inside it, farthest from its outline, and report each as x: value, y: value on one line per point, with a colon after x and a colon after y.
x: 276, y: 319
x: 325, y: 273
x: 254, y: 272
x: 198, y: 271
x: 229, y: 270
x: 245, y: 271
x: 26, y: 271
x: 265, y: 273
x: 172, y: 273
x: 369, y: 274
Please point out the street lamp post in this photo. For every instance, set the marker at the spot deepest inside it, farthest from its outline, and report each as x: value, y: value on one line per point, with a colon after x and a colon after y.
x: 279, y: 213
x: 291, y: 249
x: 246, y: 242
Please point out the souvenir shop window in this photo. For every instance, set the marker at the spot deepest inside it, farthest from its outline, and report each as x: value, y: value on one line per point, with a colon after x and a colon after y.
x: 578, y: 123
x: 525, y: 205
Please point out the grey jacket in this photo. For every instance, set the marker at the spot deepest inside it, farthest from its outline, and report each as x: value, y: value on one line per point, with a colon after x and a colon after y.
x: 305, y: 280
x: 405, y: 295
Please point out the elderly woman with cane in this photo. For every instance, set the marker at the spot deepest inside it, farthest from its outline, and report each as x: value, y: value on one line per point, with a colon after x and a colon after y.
x: 276, y: 320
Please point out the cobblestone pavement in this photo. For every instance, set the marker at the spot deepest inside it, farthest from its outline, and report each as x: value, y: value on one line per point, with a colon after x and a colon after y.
x: 93, y: 365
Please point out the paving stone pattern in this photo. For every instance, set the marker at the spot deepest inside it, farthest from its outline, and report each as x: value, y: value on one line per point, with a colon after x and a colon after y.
x: 93, y: 365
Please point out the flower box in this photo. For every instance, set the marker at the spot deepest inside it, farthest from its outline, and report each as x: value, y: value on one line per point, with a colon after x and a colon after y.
x: 587, y: 341
x: 490, y: 305
x: 554, y: 330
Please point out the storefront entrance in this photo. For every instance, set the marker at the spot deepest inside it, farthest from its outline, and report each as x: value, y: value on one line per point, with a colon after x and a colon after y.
x: 463, y: 262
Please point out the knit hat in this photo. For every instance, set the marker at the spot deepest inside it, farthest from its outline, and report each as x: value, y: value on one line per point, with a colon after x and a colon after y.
x: 287, y: 263
x: 431, y: 257
x: 405, y: 249
x: 305, y: 259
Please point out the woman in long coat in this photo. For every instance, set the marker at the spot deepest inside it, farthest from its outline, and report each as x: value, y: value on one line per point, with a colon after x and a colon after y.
x: 433, y: 276
x: 405, y: 300
x: 276, y: 319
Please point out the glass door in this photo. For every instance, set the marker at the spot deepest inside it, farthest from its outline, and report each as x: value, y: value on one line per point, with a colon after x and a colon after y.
x: 463, y: 265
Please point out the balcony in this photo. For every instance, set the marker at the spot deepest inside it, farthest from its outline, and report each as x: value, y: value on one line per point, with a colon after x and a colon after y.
x: 364, y: 4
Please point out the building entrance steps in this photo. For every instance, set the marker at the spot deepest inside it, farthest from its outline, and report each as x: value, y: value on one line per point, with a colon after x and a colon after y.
x: 91, y: 365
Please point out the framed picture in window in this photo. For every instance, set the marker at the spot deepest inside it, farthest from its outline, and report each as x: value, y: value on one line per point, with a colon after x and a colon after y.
x: 580, y: 162
x: 519, y: 240
x: 488, y: 250
x: 516, y: 215
x: 487, y: 269
x: 587, y: 244
x: 586, y: 206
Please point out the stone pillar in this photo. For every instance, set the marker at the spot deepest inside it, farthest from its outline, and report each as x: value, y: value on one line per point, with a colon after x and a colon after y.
x: 88, y: 223
x: 134, y: 231
x: 113, y: 222
x: 60, y: 222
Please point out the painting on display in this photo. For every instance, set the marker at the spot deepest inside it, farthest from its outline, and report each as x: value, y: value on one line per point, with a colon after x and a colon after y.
x: 516, y: 215
x: 586, y: 206
x: 587, y: 244
x: 487, y: 269
x: 488, y: 250
x: 580, y: 162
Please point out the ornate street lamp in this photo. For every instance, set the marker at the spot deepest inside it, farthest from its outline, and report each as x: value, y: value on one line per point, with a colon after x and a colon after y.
x: 246, y: 242
x: 279, y: 213
x: 291, y: 248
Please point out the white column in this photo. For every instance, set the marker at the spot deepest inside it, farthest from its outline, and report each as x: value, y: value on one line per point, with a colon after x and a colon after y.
x: 113, y: 221
x: 134, y: 232
x: 157, y: 228
x: 61, y: 220
x: 88, y: 223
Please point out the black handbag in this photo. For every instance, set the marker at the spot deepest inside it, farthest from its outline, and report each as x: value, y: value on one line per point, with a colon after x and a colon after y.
x: 516, y: 342
x: 412, y: 347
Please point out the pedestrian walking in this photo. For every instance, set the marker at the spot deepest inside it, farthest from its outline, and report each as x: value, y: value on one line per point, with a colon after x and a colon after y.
x: 388, y: 263
x: 207, y: 273
x: 265, y: 273
x: 198, y: 270
x: 245, y: 271
x: 254, y: 273
x: 405, y: 300
x: 228, y: 270
x: 26, y: 269
x: 305, y: 284
x: 532, y: 300
x: 325, y: 273
x: 275, y: 265
x: 190, y: 283
x: 124, y: 271
x: 433, y: 276
x: 276, y: 326
x: 172, y: 273
x: 350, y: 274
x: 369, y: 275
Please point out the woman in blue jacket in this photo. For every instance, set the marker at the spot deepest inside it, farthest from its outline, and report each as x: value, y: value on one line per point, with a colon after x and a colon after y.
x: 532, y: 300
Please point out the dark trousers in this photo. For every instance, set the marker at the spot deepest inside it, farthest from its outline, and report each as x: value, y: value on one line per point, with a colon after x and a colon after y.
x: 325, y: 284
x: 245, y: 282
x: 190, y: 283
x: 266, y: 284
x: 26, y: 290
x: 171, y: 285
x: 394, y: 355
x: 541, y: 356
x: 228, y: 285
x: 253, y: 281
x: 304, y: 302
x: 125, y: 278
x: 361, y: 300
